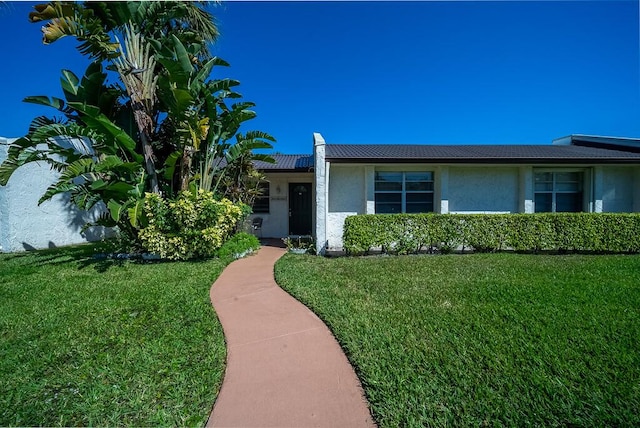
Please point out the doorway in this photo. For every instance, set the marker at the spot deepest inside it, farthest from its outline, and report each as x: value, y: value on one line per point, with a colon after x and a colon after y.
x: 300, y: 211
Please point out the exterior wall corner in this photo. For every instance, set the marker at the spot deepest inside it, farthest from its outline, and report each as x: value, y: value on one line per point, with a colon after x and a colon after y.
x: 321, y: 188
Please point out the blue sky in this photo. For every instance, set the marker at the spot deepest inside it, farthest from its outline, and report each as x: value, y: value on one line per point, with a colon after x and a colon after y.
x: 396, y: 72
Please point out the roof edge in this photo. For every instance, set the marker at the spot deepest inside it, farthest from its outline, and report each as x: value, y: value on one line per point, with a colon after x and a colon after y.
x: 626, y: 144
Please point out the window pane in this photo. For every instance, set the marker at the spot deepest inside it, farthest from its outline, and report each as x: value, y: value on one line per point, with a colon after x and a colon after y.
x: 261, y: 203
x: 420, y: 207
x: 389, y: 181
x: 543, y: 202
x: 419, y: 176
x: 543, y: 177
x: 564, y: 177
x: 389, y: 176
x: 388, y: 203
x: 424, y: 186
x: 388, y: 208
x: 544, y: 187
x: 568, y: 187
x: 388, y: 186
x: 569, y: 181
x: 569, y: 202
x: 419, y: 197
x: 419, y: 202
x: 389, y: 197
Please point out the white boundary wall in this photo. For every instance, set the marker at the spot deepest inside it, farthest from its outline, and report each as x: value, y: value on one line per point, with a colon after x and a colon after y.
x: 26, y: 226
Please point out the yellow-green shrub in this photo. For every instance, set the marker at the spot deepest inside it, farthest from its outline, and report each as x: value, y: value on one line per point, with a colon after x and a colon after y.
x: 192, y: 225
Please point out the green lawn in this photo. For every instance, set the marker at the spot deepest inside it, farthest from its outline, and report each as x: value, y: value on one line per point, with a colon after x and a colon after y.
x: 87, y: 342
x: 484, y: 339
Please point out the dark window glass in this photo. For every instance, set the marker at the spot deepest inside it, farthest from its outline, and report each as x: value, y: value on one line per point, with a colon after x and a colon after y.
x: 408, y: 192
x: 261, y: 202
x: 558, y: 191
x: 568, y: 202
x: 388, y: 182
x: 544, y: 202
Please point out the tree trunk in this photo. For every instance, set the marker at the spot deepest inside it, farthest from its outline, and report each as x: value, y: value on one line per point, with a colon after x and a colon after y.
x: 143, y: 121
x: 185, y: 167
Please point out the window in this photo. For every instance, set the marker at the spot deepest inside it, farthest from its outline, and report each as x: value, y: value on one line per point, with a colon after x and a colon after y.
x: 403, y: 192
x: 558, y: 191
x: 261, y: 203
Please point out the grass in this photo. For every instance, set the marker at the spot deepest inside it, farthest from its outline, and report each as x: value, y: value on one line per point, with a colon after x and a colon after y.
x: 110, y: 343
x: 484, y: 339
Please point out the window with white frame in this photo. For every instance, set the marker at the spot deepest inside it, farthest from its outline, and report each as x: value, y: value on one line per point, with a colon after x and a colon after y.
x: 559, y: 191
x: 261, y: 202
x: 403, y: 192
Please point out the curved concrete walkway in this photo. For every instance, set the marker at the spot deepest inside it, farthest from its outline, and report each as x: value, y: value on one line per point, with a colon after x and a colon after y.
x: 284, y: 367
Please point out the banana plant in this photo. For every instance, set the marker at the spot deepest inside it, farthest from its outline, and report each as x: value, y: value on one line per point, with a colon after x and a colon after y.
x: 96, y: 158
x: 96, y: 26
x: 199, y: 116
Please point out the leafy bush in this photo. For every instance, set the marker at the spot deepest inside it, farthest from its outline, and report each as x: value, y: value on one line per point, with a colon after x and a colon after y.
x: 193, y: 225
x: 239, y: 245
x: 560, y: 232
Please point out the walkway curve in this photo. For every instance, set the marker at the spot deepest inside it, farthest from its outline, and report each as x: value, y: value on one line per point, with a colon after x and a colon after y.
x: 284, y: 367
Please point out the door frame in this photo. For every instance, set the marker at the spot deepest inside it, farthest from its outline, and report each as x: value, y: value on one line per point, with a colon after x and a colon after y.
x: 309, y: 186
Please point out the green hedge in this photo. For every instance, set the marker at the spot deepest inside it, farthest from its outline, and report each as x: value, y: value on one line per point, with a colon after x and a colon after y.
x: 558, y: 232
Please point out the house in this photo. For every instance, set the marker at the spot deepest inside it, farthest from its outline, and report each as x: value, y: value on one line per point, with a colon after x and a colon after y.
x: 313, y: 194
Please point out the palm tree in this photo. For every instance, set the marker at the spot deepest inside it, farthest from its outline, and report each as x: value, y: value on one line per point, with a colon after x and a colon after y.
x: 96, y: 25
x: 165, y: 110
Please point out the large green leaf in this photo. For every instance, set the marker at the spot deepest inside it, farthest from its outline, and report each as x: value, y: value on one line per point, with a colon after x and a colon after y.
x: 56, y: 103
x: 70, y: 84
x: 16, y: 158
x: 136, y: 214
x: 170, y: 164
x: 115, y: 209
x: 57, y: 188
x: 252, y: 135
x: 94, y: 118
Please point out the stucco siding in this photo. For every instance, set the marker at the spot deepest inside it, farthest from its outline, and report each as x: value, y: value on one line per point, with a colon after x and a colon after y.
x: 483, y: 190
x: 347, y: 196
x: 618, y: 189
x: 25, y: 226
x: 275, y: 223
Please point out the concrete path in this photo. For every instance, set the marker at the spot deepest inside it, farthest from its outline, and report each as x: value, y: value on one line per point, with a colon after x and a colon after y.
x: 284, y: 367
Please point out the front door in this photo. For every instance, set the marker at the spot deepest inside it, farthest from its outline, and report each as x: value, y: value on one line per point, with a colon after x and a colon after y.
x: 300, y: 209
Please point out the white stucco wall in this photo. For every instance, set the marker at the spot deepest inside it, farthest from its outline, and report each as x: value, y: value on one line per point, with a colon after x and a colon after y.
x: 24, y: 225
x: 618, y: 188
x: 483, y: 189
x: 275, y: 224
x: 347, y: 196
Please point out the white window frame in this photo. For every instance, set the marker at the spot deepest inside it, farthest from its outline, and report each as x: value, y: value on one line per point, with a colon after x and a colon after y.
x: 584, y: 184
x: 404, y: 191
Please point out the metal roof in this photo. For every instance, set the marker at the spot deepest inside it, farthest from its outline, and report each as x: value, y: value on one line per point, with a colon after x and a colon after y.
x: 301, y: 163
x: 390, y: 153
x: 598, y: 141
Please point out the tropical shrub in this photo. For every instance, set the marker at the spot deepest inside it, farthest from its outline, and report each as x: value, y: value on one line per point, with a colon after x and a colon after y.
x: 559, y: 232
x: 159, y: 123
x: 193, y: 225
x: 238, y: 245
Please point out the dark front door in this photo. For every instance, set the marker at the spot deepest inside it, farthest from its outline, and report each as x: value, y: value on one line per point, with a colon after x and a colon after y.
x: 299, y: 208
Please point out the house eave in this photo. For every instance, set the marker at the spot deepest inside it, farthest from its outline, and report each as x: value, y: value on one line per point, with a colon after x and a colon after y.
x: 484, y: 161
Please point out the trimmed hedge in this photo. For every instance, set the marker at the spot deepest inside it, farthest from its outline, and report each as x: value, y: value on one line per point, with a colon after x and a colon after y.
x: 557, y: 232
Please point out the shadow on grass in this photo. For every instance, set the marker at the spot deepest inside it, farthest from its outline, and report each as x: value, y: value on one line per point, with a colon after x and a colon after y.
x: 85, y: 256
